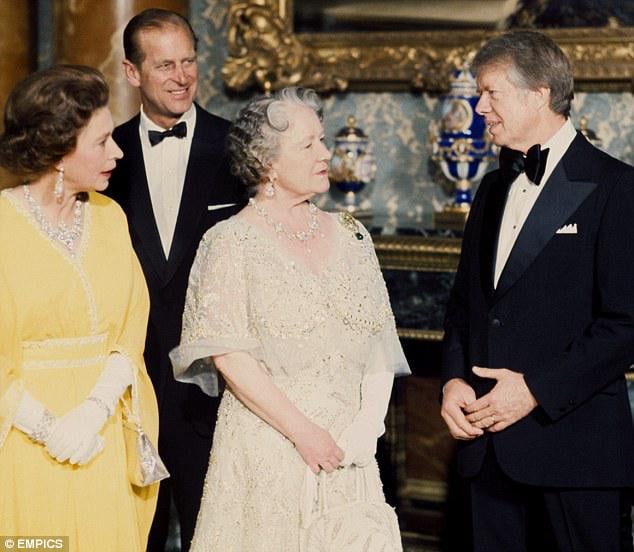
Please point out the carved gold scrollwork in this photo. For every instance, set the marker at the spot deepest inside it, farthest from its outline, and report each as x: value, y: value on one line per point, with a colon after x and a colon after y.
x: 264, y: 51
x: 262, y: 48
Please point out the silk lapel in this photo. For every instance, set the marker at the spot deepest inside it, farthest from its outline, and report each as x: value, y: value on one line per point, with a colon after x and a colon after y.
x: 557, y: 202
x: 493, y: 211
x: 141, y: 214
x: 206, y: 153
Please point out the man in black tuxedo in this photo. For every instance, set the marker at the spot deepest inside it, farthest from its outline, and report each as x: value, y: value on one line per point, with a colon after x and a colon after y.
x: 173, y: 184
x: 540, y: 324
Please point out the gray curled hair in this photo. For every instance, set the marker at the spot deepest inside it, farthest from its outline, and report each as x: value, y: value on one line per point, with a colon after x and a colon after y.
x: 535, y: 60
x: 253, y: 141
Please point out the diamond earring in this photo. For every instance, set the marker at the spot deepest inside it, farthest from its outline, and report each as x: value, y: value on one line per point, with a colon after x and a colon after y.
x: 58, y: 190
x: 269, y: 190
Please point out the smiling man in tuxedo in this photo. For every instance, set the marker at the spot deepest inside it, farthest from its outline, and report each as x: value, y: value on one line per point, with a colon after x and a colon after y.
x: 174, y: 184
x: 540, y: 324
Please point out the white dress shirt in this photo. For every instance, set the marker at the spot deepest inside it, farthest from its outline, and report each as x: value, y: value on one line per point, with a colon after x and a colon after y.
x: 165, y: 168
x: 523, y: 194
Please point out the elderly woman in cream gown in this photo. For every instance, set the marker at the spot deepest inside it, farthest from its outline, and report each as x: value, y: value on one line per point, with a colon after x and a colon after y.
x: 289, y: 304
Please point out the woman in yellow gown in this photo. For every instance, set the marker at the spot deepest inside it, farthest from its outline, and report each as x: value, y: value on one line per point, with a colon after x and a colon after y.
x: 73, y: 314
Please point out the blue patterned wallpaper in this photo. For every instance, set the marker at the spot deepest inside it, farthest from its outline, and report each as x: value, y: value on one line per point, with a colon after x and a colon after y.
x: 408, y: 184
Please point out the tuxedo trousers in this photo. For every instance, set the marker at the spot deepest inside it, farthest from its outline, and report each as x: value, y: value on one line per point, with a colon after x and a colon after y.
x: 187, y: 418
x: 508, y: 516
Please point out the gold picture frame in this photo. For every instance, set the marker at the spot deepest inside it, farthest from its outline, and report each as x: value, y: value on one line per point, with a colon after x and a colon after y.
x: 265, y: 52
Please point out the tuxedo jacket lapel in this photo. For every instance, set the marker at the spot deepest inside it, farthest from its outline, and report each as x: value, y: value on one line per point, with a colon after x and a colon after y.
x: 140, y: 205
x: 206, y: 155
x: 493, y: 211
x: 561, y: 197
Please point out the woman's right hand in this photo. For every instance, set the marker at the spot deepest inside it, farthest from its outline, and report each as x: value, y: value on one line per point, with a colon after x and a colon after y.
x: 317, y: 448
x: 75, y: 436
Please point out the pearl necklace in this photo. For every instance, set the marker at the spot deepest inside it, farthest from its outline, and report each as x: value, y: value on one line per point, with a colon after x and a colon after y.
x: 300, y: 235
x: 62, y: 233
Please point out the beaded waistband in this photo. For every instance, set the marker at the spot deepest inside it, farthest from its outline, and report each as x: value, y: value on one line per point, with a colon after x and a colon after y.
x: 66, y: 352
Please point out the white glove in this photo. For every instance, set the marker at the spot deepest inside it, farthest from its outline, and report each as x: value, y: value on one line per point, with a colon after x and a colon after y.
x: 76, y: 435
x: 32, y: 418
x: 358, y: 440
x: 38, y: 423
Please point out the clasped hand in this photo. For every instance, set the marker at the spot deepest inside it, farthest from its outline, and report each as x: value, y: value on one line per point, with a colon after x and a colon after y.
x: 75, y: 437
x: 509, y: 401
x: 318, y: 449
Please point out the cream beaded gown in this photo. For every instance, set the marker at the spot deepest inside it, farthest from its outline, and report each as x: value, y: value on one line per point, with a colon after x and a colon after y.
x: 316, y: 335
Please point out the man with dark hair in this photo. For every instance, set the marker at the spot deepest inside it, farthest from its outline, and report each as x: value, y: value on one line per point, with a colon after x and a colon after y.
x: 540, y: 324
x: 173, y: 184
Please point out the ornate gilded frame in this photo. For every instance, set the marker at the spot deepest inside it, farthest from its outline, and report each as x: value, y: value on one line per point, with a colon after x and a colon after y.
x: 265, y: 52
x: 416, y: 253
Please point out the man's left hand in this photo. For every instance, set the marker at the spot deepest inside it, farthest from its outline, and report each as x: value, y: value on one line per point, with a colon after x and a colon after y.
x: 508, y: 402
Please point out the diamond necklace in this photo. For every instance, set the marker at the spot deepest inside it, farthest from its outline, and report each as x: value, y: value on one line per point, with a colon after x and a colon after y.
x: 62, y: 233
x: 300, y: 235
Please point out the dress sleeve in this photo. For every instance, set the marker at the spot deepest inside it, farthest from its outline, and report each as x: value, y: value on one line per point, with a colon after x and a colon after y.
x: 131, y: 341
x: 11, y: 382
x: 387, y: 354
x: 131, y: 338
x: 386, y: 350
x: 215, y: 320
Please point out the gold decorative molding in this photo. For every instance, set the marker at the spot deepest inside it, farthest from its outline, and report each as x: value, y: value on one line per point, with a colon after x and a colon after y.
x: 423, y: 335
x: 264, y: 51
x: 417, y: 253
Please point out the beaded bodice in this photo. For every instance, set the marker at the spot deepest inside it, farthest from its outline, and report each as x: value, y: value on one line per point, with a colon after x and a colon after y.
x: 314, y: 330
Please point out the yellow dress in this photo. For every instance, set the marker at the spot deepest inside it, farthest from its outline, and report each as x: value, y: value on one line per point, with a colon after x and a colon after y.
x: 60, y: 316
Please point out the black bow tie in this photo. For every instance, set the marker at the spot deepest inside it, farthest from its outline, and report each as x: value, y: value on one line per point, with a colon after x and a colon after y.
x: 513, y: 163
x: 179, y: 130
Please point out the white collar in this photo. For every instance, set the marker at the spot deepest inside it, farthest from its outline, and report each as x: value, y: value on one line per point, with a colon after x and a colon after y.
x: 189, y: 117
x: 558, y: 143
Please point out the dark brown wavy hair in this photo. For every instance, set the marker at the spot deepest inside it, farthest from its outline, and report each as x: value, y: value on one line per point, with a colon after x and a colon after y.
x: 45, y: 113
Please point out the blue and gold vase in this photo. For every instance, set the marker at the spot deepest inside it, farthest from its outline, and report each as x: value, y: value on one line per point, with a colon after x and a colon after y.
x: 352, y: 166
x: 461, y: 145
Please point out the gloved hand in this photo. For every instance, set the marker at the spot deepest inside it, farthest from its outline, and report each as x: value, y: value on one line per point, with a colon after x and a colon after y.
x: 38, y: 423
x: 76, y: 435
x: 85, y: 454
x: 358, y: 440
x: 32, y: 418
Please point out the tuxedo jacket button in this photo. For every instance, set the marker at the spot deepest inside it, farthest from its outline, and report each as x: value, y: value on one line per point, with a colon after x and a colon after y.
x: 496, y: 323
